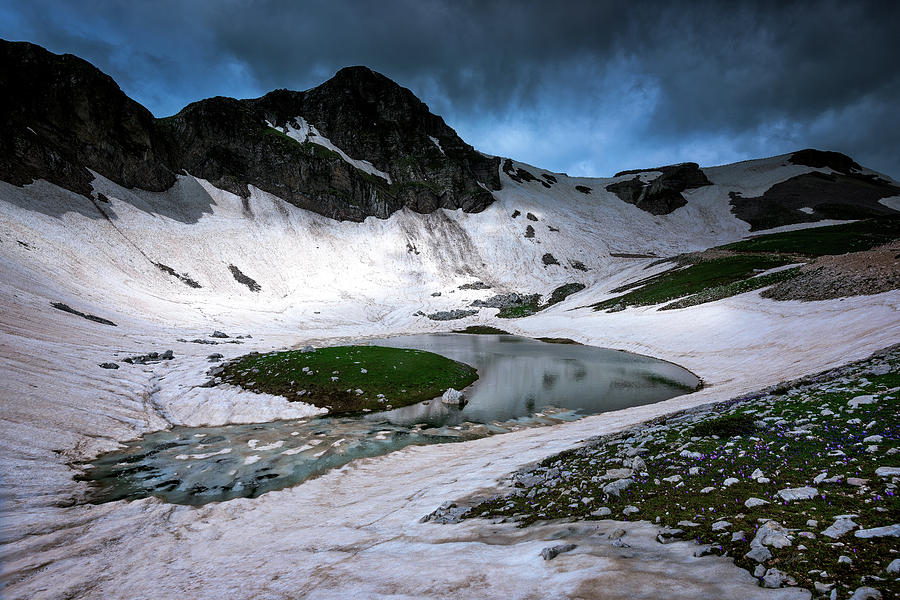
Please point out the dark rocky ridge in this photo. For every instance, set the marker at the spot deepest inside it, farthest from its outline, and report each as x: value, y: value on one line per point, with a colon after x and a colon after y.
x: 829, y: 195
x: 662, y: 195
x: 61, y: 116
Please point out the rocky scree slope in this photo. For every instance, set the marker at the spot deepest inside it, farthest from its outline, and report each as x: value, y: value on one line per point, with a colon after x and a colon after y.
x: 62, y: 118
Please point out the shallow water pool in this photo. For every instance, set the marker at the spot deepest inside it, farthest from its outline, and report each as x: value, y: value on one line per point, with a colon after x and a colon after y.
x: 522, y: 383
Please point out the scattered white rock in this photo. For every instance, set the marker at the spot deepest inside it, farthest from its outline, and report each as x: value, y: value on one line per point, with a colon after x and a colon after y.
x: 452, y: 396
x: 877, y: 532
x: 771, y: 533
x: 843, y: 559
x: 773, y: 578
x: 841, y: 526
x: 757, y: 474
x: 617, y: 486
x: 803, y: 493
x: 866, y: 593
x: 731, y: 481
x: 865, y: 399
x: 754, y: 502
x: 887, y: 471
x: 707, y: 490
x: 894, y: 567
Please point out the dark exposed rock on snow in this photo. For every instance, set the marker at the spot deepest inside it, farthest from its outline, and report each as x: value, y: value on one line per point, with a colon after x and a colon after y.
x: 109, y: 365
x: 548, y: 259
x: 821, y: 158
x: 151, y: 357
x: 529, y: 232
x: 69, y: 309
x: 531, y: 217
x: 61, y: 116
x: 829, y: 195
x: 507, y: 300
x: 183, y: 277
x: 583, y: 189
x: 475, y: 285
x: 241, y: 278
x: 663, y: 194
x: 451, y: 315
x: 520, y: 175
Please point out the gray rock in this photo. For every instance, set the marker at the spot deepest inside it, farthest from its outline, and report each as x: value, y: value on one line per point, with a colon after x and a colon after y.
x: 615, y: 487
x: 219, y: 334
x: 630, y: 510
x: 454, y: 397
x: 866, y: 593
x: 551, y: 552
x: 738, y: 536
x: 616, y: 533
x: 887, y: 471
x: 804, y: 493
x: 754, y: 502
x: 603, y: 511
x: 167, y: 355
x: 214, y: 357
x: 759, y: 571
x: 451, y: 315
x: 720, y: 525
x: 864, y: 399
x: 840, y: 527
x: 109, y: 365
x: 771, y: 533
x: 878, y: 532
x: 760, y: 554
x: 773, y: 578
x: 306, y: 349
x: 894, y: 567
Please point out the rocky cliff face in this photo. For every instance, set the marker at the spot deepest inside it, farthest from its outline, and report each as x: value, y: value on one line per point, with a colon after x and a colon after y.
x: 61, y: 116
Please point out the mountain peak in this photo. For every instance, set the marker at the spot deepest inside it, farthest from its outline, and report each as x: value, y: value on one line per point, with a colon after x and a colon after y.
x: 62, y: 118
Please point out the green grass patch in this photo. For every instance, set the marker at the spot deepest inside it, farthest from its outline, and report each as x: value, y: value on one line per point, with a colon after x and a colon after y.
x: 818, y: 241
x: 806, y: 433
x: 726, y: 426
x: 350, y: 378
x: 694, y: 279
x: 733, y: 289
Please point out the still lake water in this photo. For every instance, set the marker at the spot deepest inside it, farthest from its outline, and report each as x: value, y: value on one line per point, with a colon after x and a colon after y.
x: 522, y: 383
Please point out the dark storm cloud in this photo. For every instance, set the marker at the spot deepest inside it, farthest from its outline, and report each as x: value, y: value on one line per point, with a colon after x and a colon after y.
x: 583, y: 87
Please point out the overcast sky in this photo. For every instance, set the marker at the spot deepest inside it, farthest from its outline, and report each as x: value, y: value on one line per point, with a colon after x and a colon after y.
x: 588, y: 88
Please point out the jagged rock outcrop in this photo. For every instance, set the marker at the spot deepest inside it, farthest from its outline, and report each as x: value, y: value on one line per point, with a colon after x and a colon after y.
x: 61, y: 116
x: 661, y: 195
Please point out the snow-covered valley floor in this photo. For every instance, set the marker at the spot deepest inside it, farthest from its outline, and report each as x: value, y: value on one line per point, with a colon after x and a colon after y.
x: 353, y: 532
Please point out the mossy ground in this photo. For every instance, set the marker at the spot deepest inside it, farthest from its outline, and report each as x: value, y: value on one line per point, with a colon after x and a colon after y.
x: 803, y: 434
x: 818, y: 241
x: 350, y: 378
x: 695, y: 279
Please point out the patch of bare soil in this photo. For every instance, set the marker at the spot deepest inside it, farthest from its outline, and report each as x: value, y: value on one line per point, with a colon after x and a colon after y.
x: 856, y: 274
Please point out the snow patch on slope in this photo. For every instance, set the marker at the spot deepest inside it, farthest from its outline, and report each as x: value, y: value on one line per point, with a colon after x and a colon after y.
x: 892, y: 202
